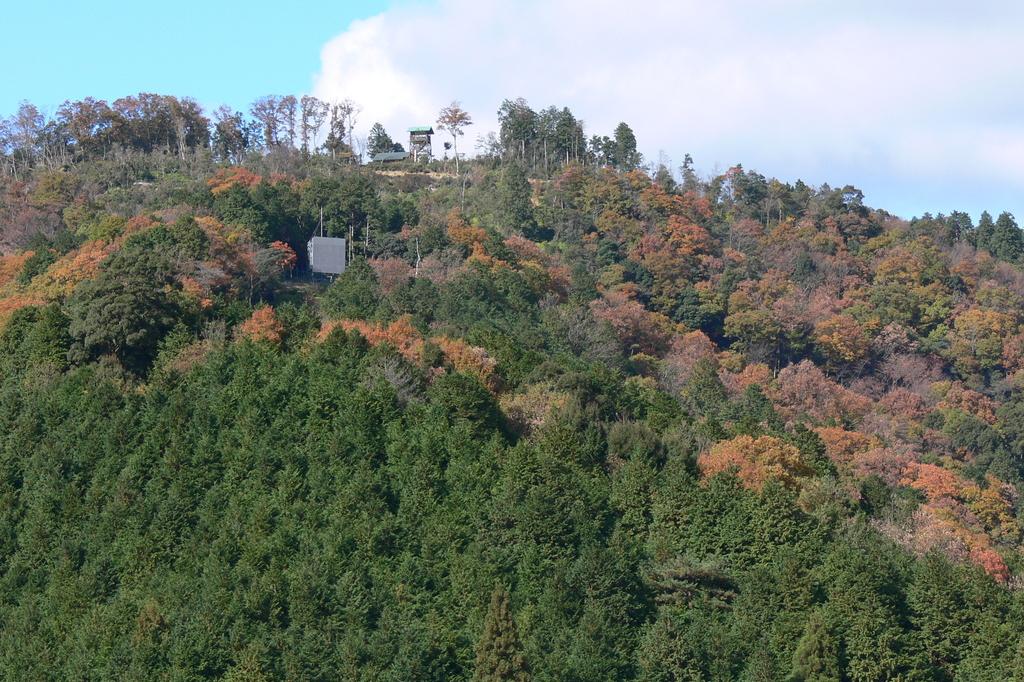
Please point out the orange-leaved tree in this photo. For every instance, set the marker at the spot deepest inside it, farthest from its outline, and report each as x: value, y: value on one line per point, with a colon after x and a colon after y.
x: 841, y: 339
x: 262, y: 325
x: 755, y: 461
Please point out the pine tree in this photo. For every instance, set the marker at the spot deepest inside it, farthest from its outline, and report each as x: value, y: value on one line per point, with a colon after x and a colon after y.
x: 353, y: 294
x: 125, y: 310
x: 960, y: 225
x: 515, y: 192
x: 816, y: 658
x: 379, y: 141
x: 986, y: 228
x: 942, y: 612
x: 704, y: 393
x: 1006, y: 242
x: 499, y: 654
x: 626, y: 156
x: 1018, y: 662
x: 691, y: 183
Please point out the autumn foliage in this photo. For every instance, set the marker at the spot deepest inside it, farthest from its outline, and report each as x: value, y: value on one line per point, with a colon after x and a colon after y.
x: 468, y: 359
x: 63, y: 276
x: 407, y: 340
x: 705, y: 404
x: 11, y: 265
x: 226, y: 178
x: 755, y: 461
x: 461, y: 232
x: 804, y: 391
x: 285, y: 257
x: 262, y: 325
x: 391, y: 273
x: 841, y: 339
x: 639, y: 329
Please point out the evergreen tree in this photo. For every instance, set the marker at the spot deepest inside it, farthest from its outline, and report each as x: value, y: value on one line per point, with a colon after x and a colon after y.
x: 515, y: 209
x: 1018, y: 662
x: 353, y: 294
x: 35, y: 336
x: 379, y: 141
x: 812, y: 450
x: 570, y: 142
x: 626, y: 156
x: 1006, y: 242
x: 960, y: 225
x: 704, y: 393
x: 499, y: 654
x: 235, y: 505
x: 518, y: 131
x: 986, y: 228
x: 942, y: 612
x: 816, y: 658
x: 691, y: 183
x: 125, y: 311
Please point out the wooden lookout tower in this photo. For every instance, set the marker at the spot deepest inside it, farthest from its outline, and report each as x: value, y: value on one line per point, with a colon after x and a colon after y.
x: 419, y: 143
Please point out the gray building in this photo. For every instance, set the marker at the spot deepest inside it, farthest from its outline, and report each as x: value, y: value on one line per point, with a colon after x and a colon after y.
x: 327, y: 255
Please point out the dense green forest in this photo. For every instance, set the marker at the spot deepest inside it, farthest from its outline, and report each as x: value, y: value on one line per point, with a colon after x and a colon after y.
x: 565, y: 416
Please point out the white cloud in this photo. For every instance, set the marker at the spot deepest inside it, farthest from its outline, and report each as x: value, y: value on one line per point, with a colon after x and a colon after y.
x: 869, y: 92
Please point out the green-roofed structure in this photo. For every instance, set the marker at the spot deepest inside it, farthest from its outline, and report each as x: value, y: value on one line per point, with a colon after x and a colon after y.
x: 419, y: 142
x: 390, y: 157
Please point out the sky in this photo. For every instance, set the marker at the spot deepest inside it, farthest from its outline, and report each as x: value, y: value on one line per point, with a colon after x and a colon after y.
x: 217, y: 51
x: 919, y: 104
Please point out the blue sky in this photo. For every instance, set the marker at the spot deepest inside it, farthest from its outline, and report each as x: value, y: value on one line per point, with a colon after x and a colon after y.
x: 217, y: 52
x: 917, y: 103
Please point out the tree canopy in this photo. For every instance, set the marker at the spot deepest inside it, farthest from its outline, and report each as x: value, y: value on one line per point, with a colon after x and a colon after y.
x: 565, y: 415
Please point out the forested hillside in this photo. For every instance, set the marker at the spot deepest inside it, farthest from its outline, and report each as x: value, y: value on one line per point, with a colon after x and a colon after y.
x: 564, y: 417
